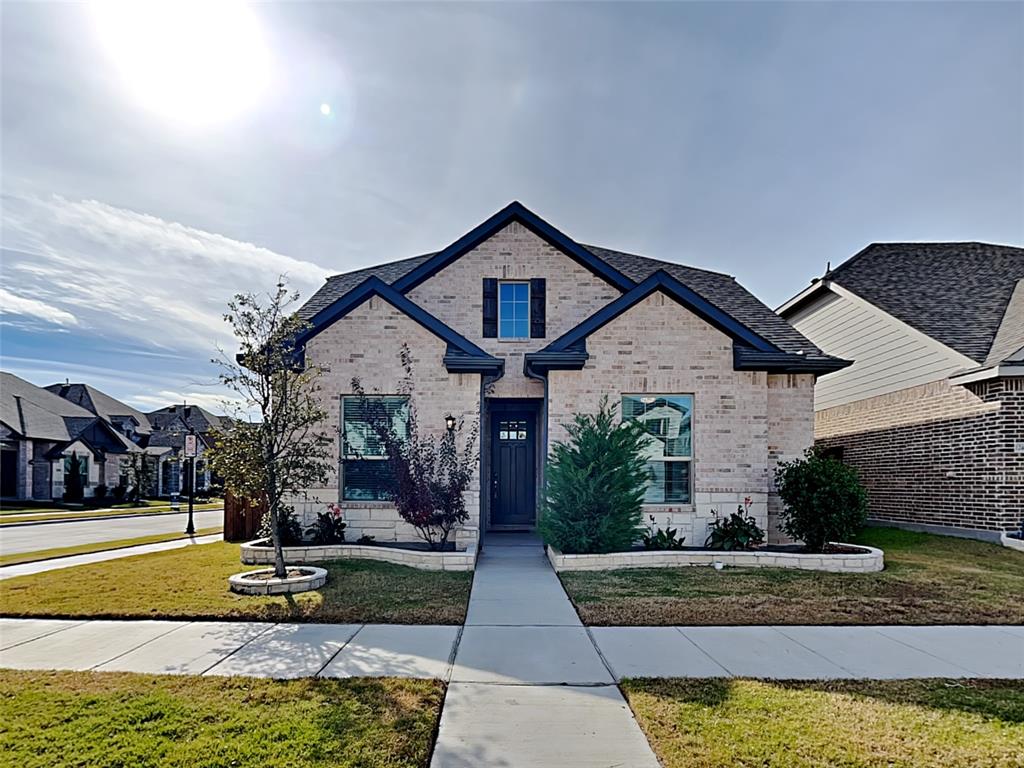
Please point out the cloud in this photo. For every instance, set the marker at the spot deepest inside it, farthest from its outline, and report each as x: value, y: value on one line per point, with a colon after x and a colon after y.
x: 216, y: 403
x: 129, y: 275
x: 11, y: 303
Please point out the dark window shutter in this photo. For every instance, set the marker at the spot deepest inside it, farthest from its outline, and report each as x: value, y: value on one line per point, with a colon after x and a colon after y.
x: 538, y: 304
x: 490, y: 307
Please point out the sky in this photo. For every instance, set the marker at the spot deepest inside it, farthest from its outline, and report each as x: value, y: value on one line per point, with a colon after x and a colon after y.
x: 156, y: 160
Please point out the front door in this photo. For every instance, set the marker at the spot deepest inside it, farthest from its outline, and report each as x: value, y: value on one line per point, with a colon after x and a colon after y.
x: 513, y: 469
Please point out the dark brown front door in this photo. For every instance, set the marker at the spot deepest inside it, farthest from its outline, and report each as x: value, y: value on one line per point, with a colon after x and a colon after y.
x: 513, y: 468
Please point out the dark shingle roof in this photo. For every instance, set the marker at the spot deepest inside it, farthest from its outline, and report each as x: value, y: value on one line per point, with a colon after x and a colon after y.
x: 100, y: 403
x: 36, y: 414
x: 720, y: 289
x: 957, y: 293
x: 182, y: 417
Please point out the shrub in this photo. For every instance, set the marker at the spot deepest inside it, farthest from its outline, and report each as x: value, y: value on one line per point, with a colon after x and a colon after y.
x: 329, y: 528
x: 663, y: 538
x: 737, y: 531
x: 824, y: 500
x: 74, y: 486
x: 118, y: 492
x: 431, y: 477
x: 595, y: 485
x: 99, y: 493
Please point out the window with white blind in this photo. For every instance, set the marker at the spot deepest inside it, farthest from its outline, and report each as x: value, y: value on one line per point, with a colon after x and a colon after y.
x: 365, y: 474
x: 668, y: 420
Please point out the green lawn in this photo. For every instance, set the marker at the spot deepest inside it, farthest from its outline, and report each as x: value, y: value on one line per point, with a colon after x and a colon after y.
x: 153, y: 507
x: 113, y: 719
x: 927, y: 580
x: 192, y: 583
x: 851, y: 723
x: 97, y: 546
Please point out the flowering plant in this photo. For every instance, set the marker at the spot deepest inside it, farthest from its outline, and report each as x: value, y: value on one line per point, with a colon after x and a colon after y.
x: 330, y: 526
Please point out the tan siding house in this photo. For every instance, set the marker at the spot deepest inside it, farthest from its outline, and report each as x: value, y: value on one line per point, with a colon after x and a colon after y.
x: 932, y: 410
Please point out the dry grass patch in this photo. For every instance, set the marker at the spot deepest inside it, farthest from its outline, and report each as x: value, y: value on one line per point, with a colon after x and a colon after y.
x: 114, y: 719
x: 927, y: 580
x: 192, y: 583
x: 851, y: 723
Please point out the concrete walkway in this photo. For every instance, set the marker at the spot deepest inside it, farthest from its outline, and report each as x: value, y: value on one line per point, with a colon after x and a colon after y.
x: 529, y: 687
x: 57, y: 563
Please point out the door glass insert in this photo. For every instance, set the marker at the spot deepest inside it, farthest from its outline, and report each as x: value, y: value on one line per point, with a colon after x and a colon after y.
x: 512, y: 430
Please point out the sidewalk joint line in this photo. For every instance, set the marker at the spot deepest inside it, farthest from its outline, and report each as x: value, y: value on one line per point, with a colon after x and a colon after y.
x: 816, y: 653
x: 181, y: 625
x: 712, y: 659
x: 926, y: 653
x: 341, y: 648
x: 236, y: 650
x: 73, y: 624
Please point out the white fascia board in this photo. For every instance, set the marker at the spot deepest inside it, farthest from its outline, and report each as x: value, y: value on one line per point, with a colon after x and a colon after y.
x: 994, y: 372
x: 804, y: 294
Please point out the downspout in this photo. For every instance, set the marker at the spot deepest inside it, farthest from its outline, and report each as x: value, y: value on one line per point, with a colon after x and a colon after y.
x: 542, y: 377
x: 485, y: 483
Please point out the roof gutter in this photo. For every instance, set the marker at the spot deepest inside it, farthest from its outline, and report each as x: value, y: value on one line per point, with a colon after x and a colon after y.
x: 1003, y: 371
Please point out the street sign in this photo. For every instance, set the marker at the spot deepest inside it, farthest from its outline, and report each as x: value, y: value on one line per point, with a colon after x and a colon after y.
x: 191, y: 446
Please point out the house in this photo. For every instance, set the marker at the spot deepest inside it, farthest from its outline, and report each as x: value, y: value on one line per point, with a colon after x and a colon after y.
x: 167, y: 445
x: 519, y: 325
x: 931, y: 412
x: 42, y: 432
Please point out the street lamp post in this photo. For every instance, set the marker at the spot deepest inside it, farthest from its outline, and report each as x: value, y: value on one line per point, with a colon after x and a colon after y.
x: 191, y: 448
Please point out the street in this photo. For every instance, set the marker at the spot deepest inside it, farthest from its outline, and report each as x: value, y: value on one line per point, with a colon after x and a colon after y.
x: 30, y: 538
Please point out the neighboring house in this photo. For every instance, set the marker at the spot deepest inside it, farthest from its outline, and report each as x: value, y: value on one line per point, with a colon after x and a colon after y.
x: 167, y: 445
x: 40, y: 432
x: 932, y: 411
x: 520, y: 325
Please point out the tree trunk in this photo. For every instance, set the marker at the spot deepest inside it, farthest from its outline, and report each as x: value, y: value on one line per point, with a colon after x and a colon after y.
x: 275, y: 519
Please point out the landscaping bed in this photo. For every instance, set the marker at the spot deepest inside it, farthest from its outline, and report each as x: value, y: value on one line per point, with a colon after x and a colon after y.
x: 928, y: 579
x: 192, y: 583
x: 838, y: 558
x: 1012, y: 540
x: 115, y: 719
x: 414, y: 554
x: 696, y: 723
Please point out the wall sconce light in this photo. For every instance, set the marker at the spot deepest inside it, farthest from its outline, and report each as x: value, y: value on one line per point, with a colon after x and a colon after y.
x: 449, y: 422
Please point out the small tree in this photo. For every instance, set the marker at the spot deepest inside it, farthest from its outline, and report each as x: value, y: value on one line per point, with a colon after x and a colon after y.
x: 431, y: 477
x: 273, y: 450
x: 74, y: 486
x: 595, y: 485
x: 824, y: 500
x: 139, y: 474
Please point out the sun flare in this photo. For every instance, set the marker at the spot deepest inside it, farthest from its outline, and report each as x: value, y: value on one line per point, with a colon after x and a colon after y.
x: 191, y: 62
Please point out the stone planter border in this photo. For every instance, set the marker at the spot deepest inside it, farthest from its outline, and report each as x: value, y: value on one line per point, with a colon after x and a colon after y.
x: 259, y: 553
x: 870, y: 561
x: 312, y: 578
x: 1009, y: 541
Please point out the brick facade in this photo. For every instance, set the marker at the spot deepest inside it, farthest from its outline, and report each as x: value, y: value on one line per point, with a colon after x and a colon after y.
x: 744, y: 421
x: 936, y: 454
x: 455, y: 296
x: 366, y: 344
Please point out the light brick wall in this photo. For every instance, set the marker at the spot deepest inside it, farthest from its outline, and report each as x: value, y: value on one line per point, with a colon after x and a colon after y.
x: 936, y: 454
x: 366, y: 344
x: 455, y: 296
x: 790, y: 432
x: 659, y: 347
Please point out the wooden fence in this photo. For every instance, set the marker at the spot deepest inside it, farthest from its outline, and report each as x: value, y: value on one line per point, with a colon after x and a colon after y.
x: 242, y: 519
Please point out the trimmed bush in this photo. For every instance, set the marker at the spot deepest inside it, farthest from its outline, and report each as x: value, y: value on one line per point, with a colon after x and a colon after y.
x: 824, y: 500
x: 595, y: 485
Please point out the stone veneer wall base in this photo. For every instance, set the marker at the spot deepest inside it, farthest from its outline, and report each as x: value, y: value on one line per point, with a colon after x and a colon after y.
x: 1013, y: 543
x: 258, y: 553
x: 870, y: 561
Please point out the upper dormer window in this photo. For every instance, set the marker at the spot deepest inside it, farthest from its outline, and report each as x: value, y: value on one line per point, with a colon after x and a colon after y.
x: 513, y: 310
